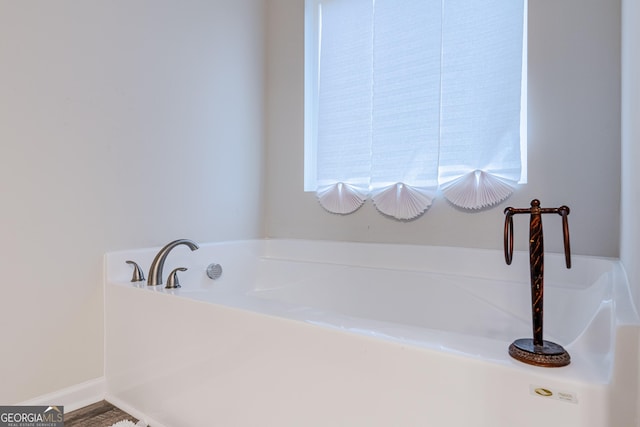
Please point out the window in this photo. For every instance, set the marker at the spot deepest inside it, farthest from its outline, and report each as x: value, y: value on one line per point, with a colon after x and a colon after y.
x: 408, y: 98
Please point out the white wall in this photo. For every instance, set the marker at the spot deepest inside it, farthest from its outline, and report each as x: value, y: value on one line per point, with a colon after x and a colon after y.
x: 574, y: 139
x: 630, y: 227
x: 122, y: 124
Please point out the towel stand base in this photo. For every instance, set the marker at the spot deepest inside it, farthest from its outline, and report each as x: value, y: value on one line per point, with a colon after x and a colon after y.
x: 549, y: 354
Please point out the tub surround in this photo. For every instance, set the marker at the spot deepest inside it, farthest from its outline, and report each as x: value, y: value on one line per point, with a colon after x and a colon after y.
x: 319, y: 333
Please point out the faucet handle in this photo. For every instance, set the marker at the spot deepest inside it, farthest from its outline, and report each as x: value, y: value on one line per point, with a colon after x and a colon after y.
x: 172, y: 281
x: 138, y: 275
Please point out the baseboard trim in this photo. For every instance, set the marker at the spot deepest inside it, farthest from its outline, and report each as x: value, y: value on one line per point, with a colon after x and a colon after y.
x: 84, y: 394
x: 74, y: 397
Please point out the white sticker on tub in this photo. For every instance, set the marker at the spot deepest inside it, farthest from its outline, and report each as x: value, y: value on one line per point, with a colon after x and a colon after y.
x: 550, y: 393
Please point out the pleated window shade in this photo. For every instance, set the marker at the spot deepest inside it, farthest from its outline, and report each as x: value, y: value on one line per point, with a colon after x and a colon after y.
x: 405, y: 97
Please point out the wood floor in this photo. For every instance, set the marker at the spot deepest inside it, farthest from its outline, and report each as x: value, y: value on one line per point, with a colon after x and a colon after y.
x: 100, y: 414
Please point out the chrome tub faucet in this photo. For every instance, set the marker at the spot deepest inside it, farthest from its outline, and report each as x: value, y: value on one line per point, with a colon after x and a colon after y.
x: 155, y: 271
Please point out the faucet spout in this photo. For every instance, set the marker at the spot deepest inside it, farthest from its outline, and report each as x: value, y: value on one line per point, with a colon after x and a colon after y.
x: 155, y: 271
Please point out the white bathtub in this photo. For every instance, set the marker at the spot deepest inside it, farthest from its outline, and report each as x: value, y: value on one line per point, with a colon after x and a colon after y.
x: 308, y: 333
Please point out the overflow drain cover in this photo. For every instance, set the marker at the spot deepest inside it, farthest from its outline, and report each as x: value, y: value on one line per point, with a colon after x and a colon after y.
x: 214, y: 271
